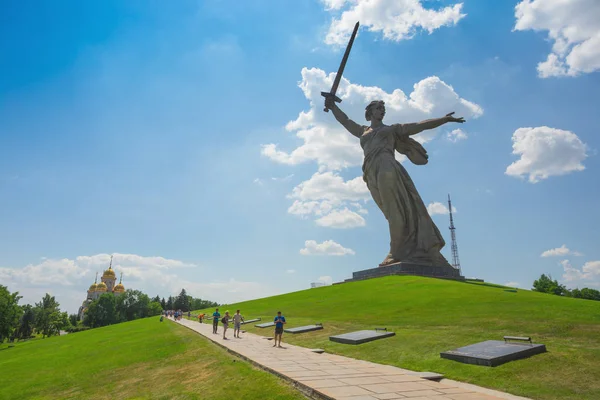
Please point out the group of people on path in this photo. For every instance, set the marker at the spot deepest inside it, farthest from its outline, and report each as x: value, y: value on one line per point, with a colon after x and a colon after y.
x: 237, y: 319
x: 237, y: 323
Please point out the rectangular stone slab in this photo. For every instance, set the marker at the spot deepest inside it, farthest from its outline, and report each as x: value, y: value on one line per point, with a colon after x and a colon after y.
x: 249, y: 321
x: 265, y: 325
x: 359, y: 337
x: 302, y: 329
x: 492, y: 353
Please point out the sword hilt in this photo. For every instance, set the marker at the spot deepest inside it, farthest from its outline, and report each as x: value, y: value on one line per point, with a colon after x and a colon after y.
x: 327, y: 95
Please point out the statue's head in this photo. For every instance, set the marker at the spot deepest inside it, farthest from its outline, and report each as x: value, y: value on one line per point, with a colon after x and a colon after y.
x: 375, y: 110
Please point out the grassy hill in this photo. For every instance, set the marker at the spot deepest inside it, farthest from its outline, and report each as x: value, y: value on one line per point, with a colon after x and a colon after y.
x: 143, y: 359
x: 433, y: 315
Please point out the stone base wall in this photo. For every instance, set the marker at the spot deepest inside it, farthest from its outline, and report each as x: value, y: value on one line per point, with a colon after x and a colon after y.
x: 408, y: 269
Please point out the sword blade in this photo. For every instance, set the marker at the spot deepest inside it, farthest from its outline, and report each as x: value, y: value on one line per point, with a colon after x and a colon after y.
x: 340, y: 72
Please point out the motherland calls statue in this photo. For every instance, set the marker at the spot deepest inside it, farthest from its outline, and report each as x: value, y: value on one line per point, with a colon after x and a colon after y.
x: 414, y: 238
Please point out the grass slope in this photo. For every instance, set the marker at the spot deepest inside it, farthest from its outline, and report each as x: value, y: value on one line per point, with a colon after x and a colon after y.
x: 143, y: 359
x: 433, y: 315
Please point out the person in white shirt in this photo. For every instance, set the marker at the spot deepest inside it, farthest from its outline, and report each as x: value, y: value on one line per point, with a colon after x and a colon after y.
x: 237, y: 324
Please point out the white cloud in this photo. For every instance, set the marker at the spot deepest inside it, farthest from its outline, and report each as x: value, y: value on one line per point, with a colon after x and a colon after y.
x: 395, y: 19
x: 546, y: 152
x: 437, y: 208
x: 341, y: 219
x: 456, y: 135
x: 328, y: 144
x: 327, y: 248
x: 588, y: 275
x: 574, y: 28
x: 291, y: 271
x: 327, y: 196
x: 512, y: 284
x: 327, y: 280
x: 69, y: 279
x: 560, y: 251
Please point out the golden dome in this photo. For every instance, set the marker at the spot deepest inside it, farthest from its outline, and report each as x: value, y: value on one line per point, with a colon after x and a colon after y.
x: 119, y: 288
x: 101, y: 287
x: 109, y: 273
x: 93, y: 287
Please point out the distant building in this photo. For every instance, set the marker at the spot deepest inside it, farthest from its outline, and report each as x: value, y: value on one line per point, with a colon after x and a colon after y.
x: 316, y: 284
x: 106, y: 285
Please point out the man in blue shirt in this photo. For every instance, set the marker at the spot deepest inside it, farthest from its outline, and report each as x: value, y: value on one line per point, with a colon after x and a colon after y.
x: 216, y: 318
x: 279, y: 322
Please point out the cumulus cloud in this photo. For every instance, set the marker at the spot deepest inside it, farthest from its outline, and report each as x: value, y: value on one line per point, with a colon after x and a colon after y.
x: 396, y: 20
x: 437, y: 208
x: 69, y: 279
x: 331, y: 146
x: 573, y: 27
x: 587, y: 275
x: 327, y: 248
x: 456, y: 135
x: 326, y: 196
x: 546, y: 152
x: 326, y: 280
x: 560, y: 252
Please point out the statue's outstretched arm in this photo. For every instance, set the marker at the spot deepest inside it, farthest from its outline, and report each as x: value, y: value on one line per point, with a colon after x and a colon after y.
x: 417, y: 127
x: 346, y: 122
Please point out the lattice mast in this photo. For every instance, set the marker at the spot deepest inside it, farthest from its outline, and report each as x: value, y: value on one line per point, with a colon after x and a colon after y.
x: 455, y: 260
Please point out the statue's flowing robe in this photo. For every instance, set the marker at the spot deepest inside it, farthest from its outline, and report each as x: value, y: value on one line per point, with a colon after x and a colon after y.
x: 414, y: 237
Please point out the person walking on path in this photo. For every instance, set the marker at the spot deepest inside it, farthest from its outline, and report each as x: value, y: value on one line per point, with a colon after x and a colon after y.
x: 225, y: 322
x: 237, y: 324
x: 279, y: 322
x: 216, y: 317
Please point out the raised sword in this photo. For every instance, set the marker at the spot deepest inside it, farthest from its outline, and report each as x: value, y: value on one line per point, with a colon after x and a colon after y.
x: 338, y: 77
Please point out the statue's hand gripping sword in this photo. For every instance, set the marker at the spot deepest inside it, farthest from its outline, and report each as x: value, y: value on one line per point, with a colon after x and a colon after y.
x: 338, y: 77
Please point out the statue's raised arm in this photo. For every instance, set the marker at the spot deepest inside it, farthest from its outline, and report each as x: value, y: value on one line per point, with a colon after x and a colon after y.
x: 418, y: 127
x: 351, y: 126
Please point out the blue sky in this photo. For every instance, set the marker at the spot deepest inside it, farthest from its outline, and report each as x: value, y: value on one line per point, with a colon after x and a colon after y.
x: 139, y: 128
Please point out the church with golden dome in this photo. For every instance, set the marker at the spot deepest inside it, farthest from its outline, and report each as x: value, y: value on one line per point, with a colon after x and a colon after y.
x: 106, y: 285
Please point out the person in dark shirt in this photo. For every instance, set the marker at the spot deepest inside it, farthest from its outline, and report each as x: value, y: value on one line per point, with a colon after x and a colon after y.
x: 279, y: 322
x: 216, y: 317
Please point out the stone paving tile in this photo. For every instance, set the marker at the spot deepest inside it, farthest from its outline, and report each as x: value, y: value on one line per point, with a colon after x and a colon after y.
x: 341, y: 377
x: 405, y: 378
x: 395, y: 387
x: 324, y: 383
x: 347, y: 391
x: 389, y: 396
x: 363, y: 381
x: 421, y: 393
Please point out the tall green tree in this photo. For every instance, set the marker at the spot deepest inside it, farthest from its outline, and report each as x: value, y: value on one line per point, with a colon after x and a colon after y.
x: 132, y: 304
x: 26, y: 323
x: 49, y: 319
x: 182, y: 302
x: 163, y: 304
x: 545, y: 284
x: 101, y: 312
x: 10, y: 312
x: 154, y: 308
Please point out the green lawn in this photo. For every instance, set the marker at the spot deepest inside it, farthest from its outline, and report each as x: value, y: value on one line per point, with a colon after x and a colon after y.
x: 433, y: 315
x: 143, y: 359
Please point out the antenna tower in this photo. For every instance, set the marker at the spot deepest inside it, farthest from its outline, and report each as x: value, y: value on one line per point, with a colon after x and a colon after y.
x: 455, y: 261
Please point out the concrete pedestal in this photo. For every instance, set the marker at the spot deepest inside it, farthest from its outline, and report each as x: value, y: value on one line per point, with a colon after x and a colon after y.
x: 402, y: 268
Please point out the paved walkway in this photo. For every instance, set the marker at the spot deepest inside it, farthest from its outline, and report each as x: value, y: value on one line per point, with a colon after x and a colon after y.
x: 329, y: 376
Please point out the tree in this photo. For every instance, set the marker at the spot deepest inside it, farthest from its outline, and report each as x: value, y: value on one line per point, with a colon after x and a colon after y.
x: 49, y: 320
x: 101, y: 312
x: 586, y: 293
x: 73, y: 318
x: 182, y: 302
x: 170, y: 303
x: 132, y: 304
x: 10, y: 312
x: 546, y: 285
x: 154, y: 308
x: 163, y: 304
x: 26, y: 323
